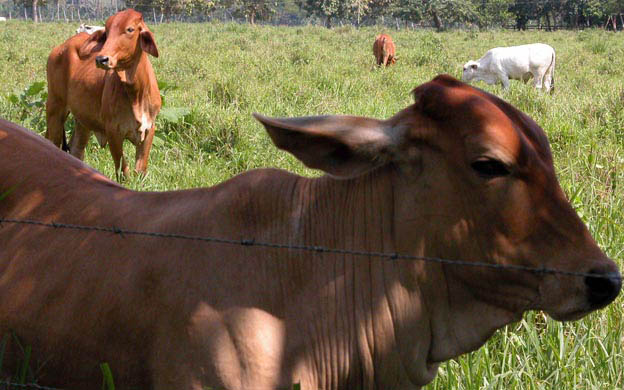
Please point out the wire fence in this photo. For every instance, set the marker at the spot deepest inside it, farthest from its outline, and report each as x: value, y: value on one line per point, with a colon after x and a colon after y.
x: 251, y: 242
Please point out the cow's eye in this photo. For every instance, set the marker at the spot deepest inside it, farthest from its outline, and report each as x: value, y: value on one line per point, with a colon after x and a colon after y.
x: 489, y: 168
x: 130, y: 29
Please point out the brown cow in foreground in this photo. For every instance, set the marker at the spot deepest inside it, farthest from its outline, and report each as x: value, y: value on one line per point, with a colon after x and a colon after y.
x: 106, y: 80
x: 384, y: 50
x: 460, y: 174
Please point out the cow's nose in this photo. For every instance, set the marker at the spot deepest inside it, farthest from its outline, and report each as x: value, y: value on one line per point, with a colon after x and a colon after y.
x: 101, y: 60
x: 602, y: 288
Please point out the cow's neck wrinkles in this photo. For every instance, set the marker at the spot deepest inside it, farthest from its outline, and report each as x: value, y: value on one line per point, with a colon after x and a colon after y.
x: 356, y: 214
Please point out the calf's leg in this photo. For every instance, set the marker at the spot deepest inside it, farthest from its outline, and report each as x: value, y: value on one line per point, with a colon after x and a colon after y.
x: 143, y: 150
x: 504, y: 79
x: 538, y: 80
x: 115, y: 145
x: 56, y: 114
x: 79, y: 140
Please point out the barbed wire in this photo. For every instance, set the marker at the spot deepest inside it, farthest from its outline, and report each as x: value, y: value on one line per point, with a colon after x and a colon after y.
x: 307, y: 248
x: 10, y: 385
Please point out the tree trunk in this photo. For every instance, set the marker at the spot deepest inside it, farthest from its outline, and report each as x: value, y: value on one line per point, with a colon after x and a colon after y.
x: 328, y: 21
x: 548, y: 27
x: 35, y: 15
x: 436, y: 20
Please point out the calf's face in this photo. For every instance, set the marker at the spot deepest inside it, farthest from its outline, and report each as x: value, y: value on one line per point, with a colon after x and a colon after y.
x: 125, y: 37
x: 473, y: 180
x: 470, y: 71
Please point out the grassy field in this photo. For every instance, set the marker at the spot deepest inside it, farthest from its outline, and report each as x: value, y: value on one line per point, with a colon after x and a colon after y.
x: 224, y: 72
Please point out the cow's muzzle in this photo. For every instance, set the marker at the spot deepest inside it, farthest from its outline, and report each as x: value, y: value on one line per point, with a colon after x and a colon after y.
x: 603, y: 288
x: 102, y: 62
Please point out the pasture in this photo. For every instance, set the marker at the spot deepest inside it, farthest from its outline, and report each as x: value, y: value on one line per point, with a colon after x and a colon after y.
x: 219, y: 74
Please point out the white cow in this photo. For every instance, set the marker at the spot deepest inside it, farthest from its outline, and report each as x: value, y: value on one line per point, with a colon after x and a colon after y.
x: 88, y: 29
x: 514, y: 62
x: 2, y: 19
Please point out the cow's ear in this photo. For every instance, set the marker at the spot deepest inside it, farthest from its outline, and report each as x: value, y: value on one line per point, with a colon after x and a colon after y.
x: 93, y: 43
x: 148, y: 44
x: 343, y: 146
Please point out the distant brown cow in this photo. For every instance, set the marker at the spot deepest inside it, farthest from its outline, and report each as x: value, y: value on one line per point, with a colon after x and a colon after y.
x: 106, y: 80
x: 459, y: 175
x: 384, y: 50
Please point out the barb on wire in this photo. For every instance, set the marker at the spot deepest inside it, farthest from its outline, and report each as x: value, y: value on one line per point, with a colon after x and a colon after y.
x: 307, y: 248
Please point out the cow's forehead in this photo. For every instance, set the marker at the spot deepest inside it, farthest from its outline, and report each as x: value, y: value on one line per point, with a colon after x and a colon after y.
x: 514, y: 130
x: 483, y: 117
x: 124, y: 18
x: 529, y: 131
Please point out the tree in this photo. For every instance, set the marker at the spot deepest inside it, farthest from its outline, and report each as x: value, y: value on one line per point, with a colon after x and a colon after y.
x: 324, y: 9
x: 492, y: 12
x: 35, y: 6
x: 408, y: 10
x: 372, y: 9
x: 168, y: 8
x: 440, y: 13
x: 523, y: 11
x: 252, y: 10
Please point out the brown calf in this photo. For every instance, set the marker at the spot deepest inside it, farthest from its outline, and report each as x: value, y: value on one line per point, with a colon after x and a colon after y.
x: 384, y: 50
x: 107, y: 82
x: 460, y: 175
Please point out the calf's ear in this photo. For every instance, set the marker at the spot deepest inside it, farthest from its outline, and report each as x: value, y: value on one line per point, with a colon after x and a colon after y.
x: 342, y: 146
x: 148, y: 44
x: 93, y: 43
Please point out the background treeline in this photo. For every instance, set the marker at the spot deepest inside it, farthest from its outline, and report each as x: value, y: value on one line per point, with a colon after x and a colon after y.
x: 438, y: 14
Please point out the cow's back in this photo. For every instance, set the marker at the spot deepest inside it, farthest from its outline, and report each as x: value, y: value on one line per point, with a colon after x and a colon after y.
x: 383, y: 48
x: 540, y: 54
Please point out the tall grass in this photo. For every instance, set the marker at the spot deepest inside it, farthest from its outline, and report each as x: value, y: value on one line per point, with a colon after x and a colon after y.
x: 224, y: 72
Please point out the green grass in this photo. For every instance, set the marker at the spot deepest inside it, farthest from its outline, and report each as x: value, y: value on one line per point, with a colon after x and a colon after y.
x: 224, y: 72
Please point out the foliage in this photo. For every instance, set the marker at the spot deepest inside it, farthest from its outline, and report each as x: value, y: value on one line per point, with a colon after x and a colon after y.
x: 252, y: 10
x: 108, y: 382
x: 30, y: 104
x: 324, y: 9
x: 171, y: 7
x: 441, y: 14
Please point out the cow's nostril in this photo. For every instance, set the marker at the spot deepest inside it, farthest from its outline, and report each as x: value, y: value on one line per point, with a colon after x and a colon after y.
x: 102, y: 60
x: 602, y: 288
